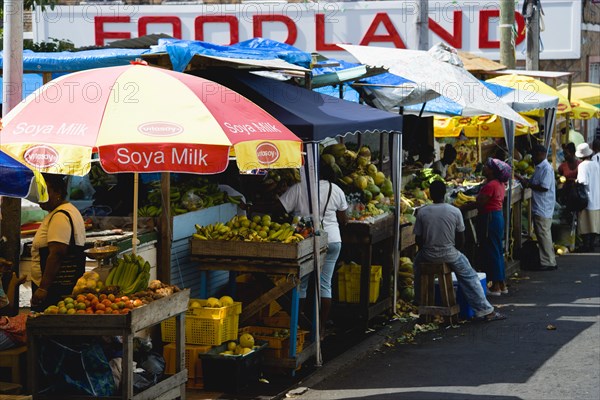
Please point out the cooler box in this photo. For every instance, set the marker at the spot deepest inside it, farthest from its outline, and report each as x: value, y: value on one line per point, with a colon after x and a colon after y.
x: 466, y: 312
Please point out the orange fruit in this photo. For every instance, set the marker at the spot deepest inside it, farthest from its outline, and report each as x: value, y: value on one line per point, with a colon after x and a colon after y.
x: 102, y: 297
x: 90, y: 296
x: 80, y: 312
x: 99, y: 311
x: 106, y: 302
x: 124, y: 298
x: 100, y: 306
x: 111, y: 297
x: 80, y: 298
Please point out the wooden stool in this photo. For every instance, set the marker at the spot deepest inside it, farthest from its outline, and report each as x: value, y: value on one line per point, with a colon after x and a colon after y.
x: 11, y: 358
x: 427, y: 306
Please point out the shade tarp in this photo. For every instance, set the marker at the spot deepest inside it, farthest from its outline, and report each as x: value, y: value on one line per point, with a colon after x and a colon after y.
x: 310, y: 115
x: 437, y: 70
x: 519, y: 100
x: 181, y: 52
x: 68, y: 61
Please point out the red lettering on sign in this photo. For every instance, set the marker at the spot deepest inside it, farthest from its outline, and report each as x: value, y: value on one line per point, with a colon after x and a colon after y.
x: 392, y: 36
x: 143, y: 23
x: 484, y: 29
x: 320, y: 44
x: 257, y: 21
x: 454, y: 39
x: 101, y: 35
x: 234, y: 30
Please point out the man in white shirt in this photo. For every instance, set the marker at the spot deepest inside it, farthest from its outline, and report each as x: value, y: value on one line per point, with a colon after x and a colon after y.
x: 596, y: 150
x: 543, y: 199
x: 439, y: 230
x: 588, y: 173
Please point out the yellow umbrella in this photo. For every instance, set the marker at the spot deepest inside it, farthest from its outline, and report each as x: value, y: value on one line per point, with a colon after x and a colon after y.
x: 478, y: 126
x: 529, y: 84
x: 582, y: 110
x: 582, y: 91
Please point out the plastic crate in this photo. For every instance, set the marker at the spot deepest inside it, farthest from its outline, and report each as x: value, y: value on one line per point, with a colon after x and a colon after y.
x: 192, y: 362
x: 349, y: 280
x: 279, y: 320
x: 231, y: 373
x: 277, y: 347
x: 206, y: 326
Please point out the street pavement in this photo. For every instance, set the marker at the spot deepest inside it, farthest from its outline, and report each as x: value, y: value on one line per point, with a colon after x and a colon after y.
x: 547, y: 348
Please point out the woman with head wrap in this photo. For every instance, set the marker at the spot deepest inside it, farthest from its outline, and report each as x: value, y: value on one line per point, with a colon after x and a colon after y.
x: 490, y: 223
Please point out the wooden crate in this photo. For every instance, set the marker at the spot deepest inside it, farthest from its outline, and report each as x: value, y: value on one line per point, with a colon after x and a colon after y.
x: 264, y: 250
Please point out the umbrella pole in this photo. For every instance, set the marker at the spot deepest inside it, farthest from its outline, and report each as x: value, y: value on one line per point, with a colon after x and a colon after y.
x: 397, y: 180
x: 134, y: 240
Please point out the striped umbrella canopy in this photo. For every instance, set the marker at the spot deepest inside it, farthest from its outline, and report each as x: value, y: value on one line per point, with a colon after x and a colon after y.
x: 144, y: 119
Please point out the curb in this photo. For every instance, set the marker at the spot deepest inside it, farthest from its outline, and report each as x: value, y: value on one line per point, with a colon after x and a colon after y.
x: 349, y: 357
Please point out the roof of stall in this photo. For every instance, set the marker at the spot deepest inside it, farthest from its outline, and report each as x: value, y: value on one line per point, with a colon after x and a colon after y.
x: 310, y: 115
x: 257, y: 53
x: 69, y: 61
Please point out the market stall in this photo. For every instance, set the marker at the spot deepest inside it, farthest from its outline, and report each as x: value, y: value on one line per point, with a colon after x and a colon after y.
x: 314, y: 117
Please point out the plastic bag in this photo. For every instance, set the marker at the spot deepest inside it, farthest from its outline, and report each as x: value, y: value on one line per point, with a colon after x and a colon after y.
x: 76, y: 368
x: 191, y: 201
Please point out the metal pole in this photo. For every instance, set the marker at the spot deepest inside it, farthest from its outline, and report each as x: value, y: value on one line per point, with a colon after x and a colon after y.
x: 507, y: 23
x: 423, y: 25
x: 12, y: 75
x: 533, y: 36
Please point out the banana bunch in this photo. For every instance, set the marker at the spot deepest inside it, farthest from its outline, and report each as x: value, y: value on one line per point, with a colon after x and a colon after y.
x: 240, y: 228
x: 149, y: 211
x: 373, y: 209
x: 131, y: 274
x: 462, y: 199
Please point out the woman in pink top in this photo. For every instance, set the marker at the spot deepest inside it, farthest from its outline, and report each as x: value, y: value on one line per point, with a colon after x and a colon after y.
x: 490, y: 223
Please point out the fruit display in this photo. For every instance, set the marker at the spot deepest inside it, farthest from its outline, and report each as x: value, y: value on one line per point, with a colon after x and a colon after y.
x: 195, y: 194
x: 257, y: 229
x: 130, y: 273
x: 462, y: 199
x: 110, y: 303
x: 406, y: 279
x: 525, y: 166
x: 355, y: 172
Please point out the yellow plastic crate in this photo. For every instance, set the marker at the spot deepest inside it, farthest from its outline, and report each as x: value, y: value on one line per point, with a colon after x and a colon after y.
x: 277, y: 347
x: 192, y: 362
x: 206, y: 326
x: 349, y: 283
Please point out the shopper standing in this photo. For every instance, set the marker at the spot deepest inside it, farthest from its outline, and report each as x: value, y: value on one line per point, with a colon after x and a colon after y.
x: 589, y: 218
x: 543, y: 199
x: 490, y: 222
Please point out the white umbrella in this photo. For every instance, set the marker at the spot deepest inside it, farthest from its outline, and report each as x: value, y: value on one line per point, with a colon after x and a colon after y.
x: 437, y: 70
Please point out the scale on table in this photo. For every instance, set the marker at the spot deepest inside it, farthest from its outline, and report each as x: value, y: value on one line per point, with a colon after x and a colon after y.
x: 101, y: 253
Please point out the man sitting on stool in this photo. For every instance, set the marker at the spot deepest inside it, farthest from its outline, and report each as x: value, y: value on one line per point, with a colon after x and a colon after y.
x: 439, y: 231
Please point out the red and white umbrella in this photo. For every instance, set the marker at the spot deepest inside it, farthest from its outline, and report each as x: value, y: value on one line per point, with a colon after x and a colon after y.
x: 144, y: 119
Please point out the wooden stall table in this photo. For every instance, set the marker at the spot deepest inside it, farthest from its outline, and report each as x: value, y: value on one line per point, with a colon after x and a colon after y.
x: 358, y: 242
x: 125, y: 325
x: 292, y: 261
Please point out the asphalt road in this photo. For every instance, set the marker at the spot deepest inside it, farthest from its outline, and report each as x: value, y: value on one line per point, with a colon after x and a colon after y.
x: 521, y: 357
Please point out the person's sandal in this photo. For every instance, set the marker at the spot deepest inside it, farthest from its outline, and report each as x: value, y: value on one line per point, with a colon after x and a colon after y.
x: 494, y: 316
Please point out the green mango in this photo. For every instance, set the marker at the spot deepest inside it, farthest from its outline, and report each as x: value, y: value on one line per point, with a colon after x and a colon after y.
x: 373, y: 189
x: 367, y: 196
x: 386, y: 188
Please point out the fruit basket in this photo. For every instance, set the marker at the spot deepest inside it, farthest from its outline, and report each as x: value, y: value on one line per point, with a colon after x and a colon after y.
x: 231, y: 373
x: 206, y: 326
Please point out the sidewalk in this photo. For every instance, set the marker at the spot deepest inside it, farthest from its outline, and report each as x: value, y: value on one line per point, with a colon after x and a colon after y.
x: 546, y: 349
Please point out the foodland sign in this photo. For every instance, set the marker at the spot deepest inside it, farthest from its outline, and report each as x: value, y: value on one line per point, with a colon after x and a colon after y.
x: 466, y: 25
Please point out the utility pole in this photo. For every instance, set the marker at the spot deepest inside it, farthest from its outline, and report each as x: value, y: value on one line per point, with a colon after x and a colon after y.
x: 507, y: 37
x: 12, y: 76
x: 423, y: 25
x: 531, y: 13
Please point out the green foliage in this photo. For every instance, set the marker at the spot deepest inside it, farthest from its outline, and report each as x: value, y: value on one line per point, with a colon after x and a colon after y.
x: 30, y: 4
x: 50, y: 46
